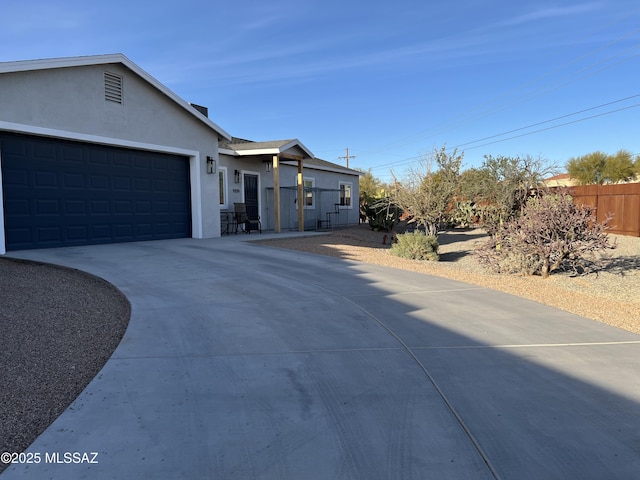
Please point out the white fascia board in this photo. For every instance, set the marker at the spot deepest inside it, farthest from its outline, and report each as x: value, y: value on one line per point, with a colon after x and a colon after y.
x: 259, y: 151
x: 270, y: 151
x: 45, y: 64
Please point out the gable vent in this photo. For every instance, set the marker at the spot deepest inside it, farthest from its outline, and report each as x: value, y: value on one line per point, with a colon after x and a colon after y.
x: 112, y: 87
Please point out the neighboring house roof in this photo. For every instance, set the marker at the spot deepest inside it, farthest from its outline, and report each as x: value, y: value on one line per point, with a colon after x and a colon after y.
x: 66, y: 62
x: 561, y: 180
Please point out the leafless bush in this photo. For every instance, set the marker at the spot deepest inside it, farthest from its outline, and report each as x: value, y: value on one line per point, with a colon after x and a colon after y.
x: 552, y: 233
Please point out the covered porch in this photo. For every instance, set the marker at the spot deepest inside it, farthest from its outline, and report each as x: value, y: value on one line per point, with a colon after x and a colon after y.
x: 257, y: 168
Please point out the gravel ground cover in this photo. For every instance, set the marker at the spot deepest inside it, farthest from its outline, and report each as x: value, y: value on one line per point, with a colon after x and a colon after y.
x: 59, y: 327
x: 610, y: 295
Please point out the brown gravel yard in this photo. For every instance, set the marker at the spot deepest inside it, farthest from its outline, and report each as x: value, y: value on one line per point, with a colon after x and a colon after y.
x: 59, y: 327
x: 611, y: 295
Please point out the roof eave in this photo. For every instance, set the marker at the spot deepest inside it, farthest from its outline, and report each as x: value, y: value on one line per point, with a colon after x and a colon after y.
x: 278, y: 150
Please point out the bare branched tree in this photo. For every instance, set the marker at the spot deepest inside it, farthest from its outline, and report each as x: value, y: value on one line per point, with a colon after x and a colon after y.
x: 503, y: 184
x: 427, y: 190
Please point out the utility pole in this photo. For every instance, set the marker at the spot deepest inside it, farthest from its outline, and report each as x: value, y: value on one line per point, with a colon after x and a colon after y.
x: 347, y: 157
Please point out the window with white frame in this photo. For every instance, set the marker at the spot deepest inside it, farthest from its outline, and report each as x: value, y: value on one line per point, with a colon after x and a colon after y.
x: 309, y: 195
x: 345, y: 194
x: 222, y: 183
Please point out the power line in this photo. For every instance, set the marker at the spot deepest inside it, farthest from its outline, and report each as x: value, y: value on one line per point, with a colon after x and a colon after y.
x: 549, y: 121
x: 557, y: 126
x: 409, y: 159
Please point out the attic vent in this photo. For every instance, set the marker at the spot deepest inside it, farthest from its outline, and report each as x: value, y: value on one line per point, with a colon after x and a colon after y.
x: 112, y: 87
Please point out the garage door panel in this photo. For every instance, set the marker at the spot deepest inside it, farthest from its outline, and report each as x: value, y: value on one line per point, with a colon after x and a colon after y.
x: 122, y: 184
x: 44, y: 151
x: 101, y: 233
x: 97, y: 159
x: 142, y: 185
x: 19, y: 235
x: 19, y: 207
x: 142, y: 162
x: 124, y: 232
x: 47, y: 207
x: 78, y: 233
x: 143, y: 207
x: 99, y: 207
x: 122, y: 160
x: 178, y: 206
x: 73, y: 181
x: 72, y: 154
x: 59, y: 193
x: 122, y: 207
x: 163, y: 229
x: 161, y: 186
x: 49, y: 235
x: 17, y: 177
x: 75, y: 207
x: 144, y: 230
x: 45, y: 179
x: 99, y: 182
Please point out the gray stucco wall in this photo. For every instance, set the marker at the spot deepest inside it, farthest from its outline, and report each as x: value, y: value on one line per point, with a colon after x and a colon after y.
x: 72, y: 100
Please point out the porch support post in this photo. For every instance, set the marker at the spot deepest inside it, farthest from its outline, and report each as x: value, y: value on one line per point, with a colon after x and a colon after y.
x: 276, y: 192
x: 301, y: 199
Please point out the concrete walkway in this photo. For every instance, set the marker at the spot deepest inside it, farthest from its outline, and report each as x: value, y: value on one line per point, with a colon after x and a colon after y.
x: 244, y: 361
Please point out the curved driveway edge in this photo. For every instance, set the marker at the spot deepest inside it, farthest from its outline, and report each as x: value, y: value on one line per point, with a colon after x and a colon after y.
x: 244, y: 361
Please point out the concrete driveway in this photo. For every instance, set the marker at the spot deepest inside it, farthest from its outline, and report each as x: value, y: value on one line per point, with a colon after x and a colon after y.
x: 244, y: 361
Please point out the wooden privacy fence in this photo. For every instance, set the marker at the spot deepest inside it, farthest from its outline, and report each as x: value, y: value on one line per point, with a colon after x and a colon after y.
x: 622, y: 201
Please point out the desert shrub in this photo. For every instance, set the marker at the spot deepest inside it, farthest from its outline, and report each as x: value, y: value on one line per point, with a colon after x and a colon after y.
x: 551, y: 234
x: 463, y: 214
x: 416, y: 246
x: 501, y: 256
x: 382, y: 214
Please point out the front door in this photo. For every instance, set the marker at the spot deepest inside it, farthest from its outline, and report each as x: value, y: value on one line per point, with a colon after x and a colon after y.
x: 251, y: 195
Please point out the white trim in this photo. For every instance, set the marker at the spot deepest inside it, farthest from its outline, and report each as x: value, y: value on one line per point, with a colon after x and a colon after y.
x: 225, y: 184
x: 195, y: 160
x: 196, y: 194
x: 258, y: 151
x: 350, y: 206
x: 226, y: 151
x: 65, y: 62
x: 3, y: 245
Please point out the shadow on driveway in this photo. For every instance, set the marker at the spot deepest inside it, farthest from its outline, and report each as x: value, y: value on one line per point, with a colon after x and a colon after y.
x: 244, y: 361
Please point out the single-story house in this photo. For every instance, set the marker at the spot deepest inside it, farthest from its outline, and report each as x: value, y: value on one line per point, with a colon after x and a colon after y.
x: 95, y: 150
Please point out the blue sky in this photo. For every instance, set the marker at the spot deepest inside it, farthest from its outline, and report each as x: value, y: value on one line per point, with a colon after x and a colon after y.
x: 390, y: 80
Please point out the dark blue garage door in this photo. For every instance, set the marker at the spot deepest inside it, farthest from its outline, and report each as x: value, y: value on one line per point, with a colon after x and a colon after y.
x: 61, y: 193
